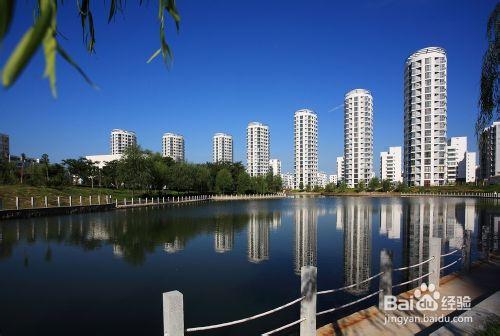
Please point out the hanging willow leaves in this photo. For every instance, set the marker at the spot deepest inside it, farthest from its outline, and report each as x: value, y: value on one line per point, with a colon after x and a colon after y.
x: 28, y: 45
x: 68, y: 59
x: 87, y: 23
x: 49, y: 48
x: 6, y: 13
x: 170, y: 7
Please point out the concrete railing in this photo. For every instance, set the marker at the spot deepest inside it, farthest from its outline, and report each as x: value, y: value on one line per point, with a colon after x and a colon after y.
x: 59, y: 201
x: 173, y: 305
x: 140, y: 201
x: 455, y: 194
x: 246, y: 197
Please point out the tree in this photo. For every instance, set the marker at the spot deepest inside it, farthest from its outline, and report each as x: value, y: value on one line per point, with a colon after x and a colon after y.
x: 46, y: 32
x: 386, y: 185
x: 223, y: 181
x: 80, y: 168
x: 110, y: 174
x: 45, y: 161
x: 342, y: 186
x: 330, y: 187
x: 401, y: 187
x: 374, y: 184
x: 243, y: 183
x: 133, y: 168
x: 361, y: 186
x: 489, y: 97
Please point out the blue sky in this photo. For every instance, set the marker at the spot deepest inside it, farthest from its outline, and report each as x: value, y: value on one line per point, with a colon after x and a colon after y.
x: 241, y: 61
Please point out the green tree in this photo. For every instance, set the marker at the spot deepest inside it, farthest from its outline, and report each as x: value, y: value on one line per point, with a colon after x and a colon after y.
x: 45, y: 32
x: 373, y: 184
x: 223, y: 181
x: 45, y: 161
x: 489, y: 97
x: 386, y: 185
x: 243, y: 183
x: 133, y: 169
x: 330, y: 187
x: 361, y: 186
x: 110, y: 174
x: 342, y: 186
x: 79, y: 168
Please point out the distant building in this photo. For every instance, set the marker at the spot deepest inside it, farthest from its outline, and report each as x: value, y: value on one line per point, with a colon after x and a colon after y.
x: 358, y: 137
x: 322, y: 180
x: 101, y: 160
x: 4, y: 147
x: 257, y: 149
x: 173, y: 146
x: 470, y: 167
x: 390, y: 165
x: 121, y: 139
x: 275, y: 167
x: 455, y: 157
x: 489, y: 155
x: 305, y: 148
x: 288, y: 181
x: 333, y: 179
x: 222, y: 148
x: 340, y: 168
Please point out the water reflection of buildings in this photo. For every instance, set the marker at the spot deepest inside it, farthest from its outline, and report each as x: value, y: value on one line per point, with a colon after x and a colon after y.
x: 357, y: 244
x: 258, y: 238
x: 174, y: 246
x: 391, y: 216
x: 223, y: 237
x: 306, y: 222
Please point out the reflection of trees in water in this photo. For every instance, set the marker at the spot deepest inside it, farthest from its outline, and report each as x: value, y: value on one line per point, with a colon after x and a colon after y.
x: 132, y: 234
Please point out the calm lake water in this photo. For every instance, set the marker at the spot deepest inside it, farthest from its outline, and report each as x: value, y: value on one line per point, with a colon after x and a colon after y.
x: 104, y: 273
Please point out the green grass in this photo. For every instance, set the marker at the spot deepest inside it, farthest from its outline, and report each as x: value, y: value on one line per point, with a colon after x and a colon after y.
x: 8, y: 194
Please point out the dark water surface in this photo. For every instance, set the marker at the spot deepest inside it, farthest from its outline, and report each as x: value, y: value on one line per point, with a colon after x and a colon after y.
x: 104, y: 273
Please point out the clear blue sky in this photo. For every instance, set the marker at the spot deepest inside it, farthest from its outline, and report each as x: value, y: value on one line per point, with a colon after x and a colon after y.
x: 241, y: 61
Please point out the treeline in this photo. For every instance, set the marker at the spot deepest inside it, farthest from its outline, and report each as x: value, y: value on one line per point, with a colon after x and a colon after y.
x: 375, y: 184
x: 142, y: 170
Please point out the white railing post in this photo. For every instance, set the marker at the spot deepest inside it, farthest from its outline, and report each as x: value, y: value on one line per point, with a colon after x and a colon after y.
x: 70, y: 201
x: 90, y: 200
x: 173, y: 314
x: 17, y: 203
x: 32, y: 202
x: 116, y: 202
x: 385, y: 283
x: 308, y: 290
x: 46, y: 202
x: 132, y: 201
x: 124, y: 201
x: 58, y: 201
x: 435, y: 263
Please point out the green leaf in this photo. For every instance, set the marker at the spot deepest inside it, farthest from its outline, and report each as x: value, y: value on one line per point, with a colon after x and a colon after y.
x: 6, y: 14
x: 28, y: 45
x: 112, y: 10
x: 155, y: 54
x: 49, y: 49
x: 68, y: 59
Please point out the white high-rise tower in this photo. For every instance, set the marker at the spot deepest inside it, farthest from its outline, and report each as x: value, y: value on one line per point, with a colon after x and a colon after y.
x: 425, y: 118
x: 257, y: 149
x: 222, y: 148
x: 173, y: 146
x: 120, y: 140
x: 358, y: 137
x: 306, y: 148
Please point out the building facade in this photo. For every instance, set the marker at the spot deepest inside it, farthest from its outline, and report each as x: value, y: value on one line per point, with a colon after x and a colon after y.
x: 455, y: 158
x: 257, y: 149
x: 340, y: 168
x: 222, y: 150
x: 275, y: 167
x: 390, y: 165
x: 470, y: 168
x: 101, y: 160
x: 121, y: 139
x: 322, y: 179
x: 288, y: 181
x: 4, y: 147
x: 173, y: 146
x: 333, y: 179
x: 489, y: 155
x: 305, y: 148
x: 358, y: 137
x: 425, y: 123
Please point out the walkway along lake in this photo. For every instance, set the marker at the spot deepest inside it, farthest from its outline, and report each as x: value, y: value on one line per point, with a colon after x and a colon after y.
x: 104, y: 273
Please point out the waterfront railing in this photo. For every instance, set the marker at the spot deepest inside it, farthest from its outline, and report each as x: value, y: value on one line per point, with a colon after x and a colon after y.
x: 454, y: 194
x: 173, y: 306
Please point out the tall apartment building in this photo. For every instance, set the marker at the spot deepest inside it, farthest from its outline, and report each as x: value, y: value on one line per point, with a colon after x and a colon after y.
x: 275, y: 167
x: 469, y: 167
x: 288, y: 180
x: 390, y: 165
x: 121, y: 139
x: 358, y: 137
x: 425, y: 117
x: 222, y: 150
x: 489, y: 156
x: 340, y: 168
x: 333, y: 179
x: 257, y: 149
x: 4, y: 147
x: 305, y: 148
x: 173, y: 146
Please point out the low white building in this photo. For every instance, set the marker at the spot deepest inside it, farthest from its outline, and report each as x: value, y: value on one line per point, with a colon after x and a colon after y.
x: 390, y: 165
x: 322, y: 179
x: 333, y: 179
x: 288, y: 180
x: 470, y: 167
x: 101, y: 160
x: 275, y: 167
x: 340, y: 168
x: 455, y: 157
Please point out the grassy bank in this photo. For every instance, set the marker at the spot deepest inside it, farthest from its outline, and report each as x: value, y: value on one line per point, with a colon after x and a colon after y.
x: 8, y: 194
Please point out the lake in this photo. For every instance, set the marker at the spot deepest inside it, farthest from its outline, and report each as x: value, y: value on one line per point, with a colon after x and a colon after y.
x: 104, y: 273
